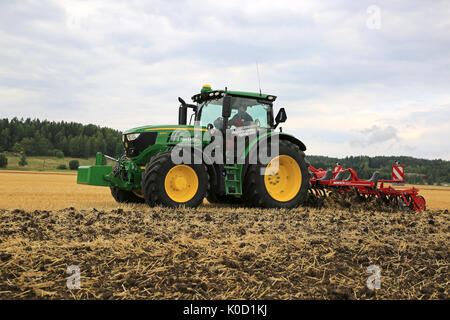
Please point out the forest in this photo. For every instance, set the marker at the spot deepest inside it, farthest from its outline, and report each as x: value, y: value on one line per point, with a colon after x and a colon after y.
x: 48, y: 138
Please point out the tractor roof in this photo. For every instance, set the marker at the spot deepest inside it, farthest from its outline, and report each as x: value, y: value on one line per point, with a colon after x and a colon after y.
x: 207, y: 94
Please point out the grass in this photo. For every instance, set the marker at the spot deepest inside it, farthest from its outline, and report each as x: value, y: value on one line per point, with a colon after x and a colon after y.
x: 44, y: 163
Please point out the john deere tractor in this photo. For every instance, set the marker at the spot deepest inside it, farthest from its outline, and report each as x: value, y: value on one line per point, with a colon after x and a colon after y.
x: 217, y: 156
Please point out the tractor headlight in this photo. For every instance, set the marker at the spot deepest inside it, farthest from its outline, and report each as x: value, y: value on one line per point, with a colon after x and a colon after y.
x: 132, y: 136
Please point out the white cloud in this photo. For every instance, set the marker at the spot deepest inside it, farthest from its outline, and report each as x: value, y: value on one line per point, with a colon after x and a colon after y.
x: 375, y: 136
x: 123, y: 64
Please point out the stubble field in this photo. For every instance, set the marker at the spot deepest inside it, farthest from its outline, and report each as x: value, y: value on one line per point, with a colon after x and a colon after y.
x: 48, y: 223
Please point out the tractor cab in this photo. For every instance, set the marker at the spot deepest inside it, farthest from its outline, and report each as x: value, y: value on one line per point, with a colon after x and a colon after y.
x: 247, y: 110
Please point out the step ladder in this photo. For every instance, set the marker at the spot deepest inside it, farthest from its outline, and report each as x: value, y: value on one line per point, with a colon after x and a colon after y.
x: 233, y: 181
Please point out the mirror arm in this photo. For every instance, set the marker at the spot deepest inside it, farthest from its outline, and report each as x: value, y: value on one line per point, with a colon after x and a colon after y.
x: 226, y: 113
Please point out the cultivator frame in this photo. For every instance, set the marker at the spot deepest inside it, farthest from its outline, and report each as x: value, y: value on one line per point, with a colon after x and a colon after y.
x: 343, y: 181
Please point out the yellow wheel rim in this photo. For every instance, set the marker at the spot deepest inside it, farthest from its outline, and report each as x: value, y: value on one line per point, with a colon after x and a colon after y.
x: 181, y: 183
x: 283, y: 178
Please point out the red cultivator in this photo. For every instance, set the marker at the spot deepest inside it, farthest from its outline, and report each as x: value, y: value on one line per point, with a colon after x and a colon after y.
x: 342, y: 181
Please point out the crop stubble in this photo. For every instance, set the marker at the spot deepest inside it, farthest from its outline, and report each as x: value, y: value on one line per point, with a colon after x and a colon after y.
x: 221, y: 252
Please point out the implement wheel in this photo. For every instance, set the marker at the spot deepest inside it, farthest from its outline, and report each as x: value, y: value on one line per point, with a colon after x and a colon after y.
x: 419, y: 203
x: 171, y: 185
x: 282, y: 183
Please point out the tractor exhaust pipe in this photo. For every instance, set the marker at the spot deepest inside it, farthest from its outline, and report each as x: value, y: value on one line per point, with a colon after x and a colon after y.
x: 182, y: 112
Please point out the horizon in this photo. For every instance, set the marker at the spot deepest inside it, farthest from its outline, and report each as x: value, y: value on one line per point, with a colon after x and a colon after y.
x: 307, y: 155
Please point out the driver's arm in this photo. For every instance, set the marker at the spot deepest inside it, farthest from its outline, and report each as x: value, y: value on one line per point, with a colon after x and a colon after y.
x: 246, y: 117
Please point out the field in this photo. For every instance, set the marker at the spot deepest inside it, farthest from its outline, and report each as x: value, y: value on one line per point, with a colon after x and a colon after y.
x: 48, y: 222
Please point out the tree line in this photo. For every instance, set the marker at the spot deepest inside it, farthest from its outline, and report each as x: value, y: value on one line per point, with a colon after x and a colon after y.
x: 417, y: 171
x: 45, y: 138
x: 49, y: 138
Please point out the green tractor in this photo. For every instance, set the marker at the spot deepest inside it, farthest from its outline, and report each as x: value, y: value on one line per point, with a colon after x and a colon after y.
x: 217, y: 156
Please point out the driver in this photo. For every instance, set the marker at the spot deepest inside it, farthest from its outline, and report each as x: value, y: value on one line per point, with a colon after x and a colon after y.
x: 241, y: 118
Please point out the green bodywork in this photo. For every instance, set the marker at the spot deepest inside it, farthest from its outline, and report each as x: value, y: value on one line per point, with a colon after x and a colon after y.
x: 198, y: 137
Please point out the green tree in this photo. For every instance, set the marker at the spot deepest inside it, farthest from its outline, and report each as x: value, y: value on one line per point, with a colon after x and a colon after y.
x: 43, y: 145
x: 28, y: 145
x: 59, y: 154
x: 3, y: 160
x: 5, y: 139
x: 74, y: 164
x: 23, y: 160
x: 75, y: 146
x: 17, y: 148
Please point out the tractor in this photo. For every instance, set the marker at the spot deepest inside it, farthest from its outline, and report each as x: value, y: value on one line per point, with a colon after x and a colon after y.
x: 225, y: 154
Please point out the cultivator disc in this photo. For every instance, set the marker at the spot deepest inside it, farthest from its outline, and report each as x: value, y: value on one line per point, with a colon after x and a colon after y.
x: 344, y: 187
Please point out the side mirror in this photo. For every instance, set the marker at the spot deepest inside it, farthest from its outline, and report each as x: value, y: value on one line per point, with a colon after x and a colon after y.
x: 281, y: 117
x: 226, y: 107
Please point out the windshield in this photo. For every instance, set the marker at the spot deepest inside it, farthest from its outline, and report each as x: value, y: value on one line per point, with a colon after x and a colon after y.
x: 244, y: 112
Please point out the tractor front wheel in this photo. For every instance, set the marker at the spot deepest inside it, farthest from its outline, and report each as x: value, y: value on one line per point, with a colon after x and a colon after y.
x: 171, y: 185
x: 123, y: 195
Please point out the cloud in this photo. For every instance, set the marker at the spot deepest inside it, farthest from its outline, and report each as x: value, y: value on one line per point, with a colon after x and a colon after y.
x: 376, y: 135
x: 347, y: 89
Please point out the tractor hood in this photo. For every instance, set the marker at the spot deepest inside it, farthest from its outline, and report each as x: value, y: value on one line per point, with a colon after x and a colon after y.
x: 162, y: 128
x: 136, y: 140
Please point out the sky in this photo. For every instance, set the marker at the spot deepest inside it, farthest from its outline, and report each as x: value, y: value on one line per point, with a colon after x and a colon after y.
x: 355, y: 77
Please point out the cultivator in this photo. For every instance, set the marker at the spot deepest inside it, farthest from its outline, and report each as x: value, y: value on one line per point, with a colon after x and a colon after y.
x: 344, y: 182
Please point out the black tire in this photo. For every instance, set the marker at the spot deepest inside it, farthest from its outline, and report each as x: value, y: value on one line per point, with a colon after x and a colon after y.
x: 123, y: 196
x: 153, y: 182
x: 214, y: 198
x: 255, y: 193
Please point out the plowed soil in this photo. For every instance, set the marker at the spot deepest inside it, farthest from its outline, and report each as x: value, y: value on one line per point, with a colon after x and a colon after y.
x: 220, y: 252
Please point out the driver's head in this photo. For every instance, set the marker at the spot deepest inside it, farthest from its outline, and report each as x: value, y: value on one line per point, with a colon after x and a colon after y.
x: 242, y: 109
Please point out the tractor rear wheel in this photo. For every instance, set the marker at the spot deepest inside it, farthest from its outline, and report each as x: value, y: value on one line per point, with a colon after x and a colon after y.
x: 124, y: 196
x: 171, y: 185
x: 282, y: 183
